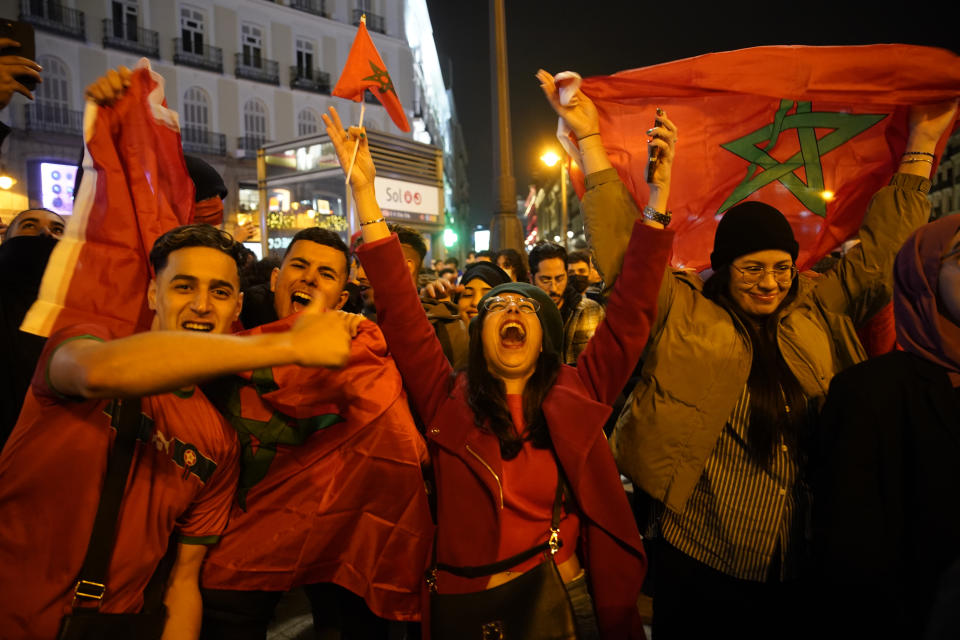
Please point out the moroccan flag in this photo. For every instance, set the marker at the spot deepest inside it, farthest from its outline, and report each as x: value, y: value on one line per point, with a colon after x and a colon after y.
x: 813, y: 131
x: 135, y: 186
x: 365, y: 70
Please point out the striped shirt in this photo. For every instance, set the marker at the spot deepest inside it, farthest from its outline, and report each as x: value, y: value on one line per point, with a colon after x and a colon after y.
x: 741, y: 518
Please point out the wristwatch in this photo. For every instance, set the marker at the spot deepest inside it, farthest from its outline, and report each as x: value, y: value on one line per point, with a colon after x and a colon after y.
x: 652, y: 214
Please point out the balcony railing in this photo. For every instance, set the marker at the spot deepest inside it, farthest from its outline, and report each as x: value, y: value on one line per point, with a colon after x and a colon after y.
x: 374, y: 22
x: 200, y: 140
x: 205, y: 57
x: 52, y: 118
x: 249, y: 144
x: 119, y: 35
x: 316, y: 7
x: 260, y: 70
x: 309, y: 80
x: 50, y: 16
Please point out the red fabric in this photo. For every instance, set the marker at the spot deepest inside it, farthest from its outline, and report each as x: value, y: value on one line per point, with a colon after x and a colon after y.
x: 365, y: 70
x: 209, y: 211
x: 718, y: 100
x: 879, y: 334
x: 466, y: 460
x: 135, y: 186
x: 347, y: 504
x: 51, y: 474
x: 529, y: 488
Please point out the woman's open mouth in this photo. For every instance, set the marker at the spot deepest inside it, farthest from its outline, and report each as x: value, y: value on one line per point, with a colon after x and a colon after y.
x: 512, y: 334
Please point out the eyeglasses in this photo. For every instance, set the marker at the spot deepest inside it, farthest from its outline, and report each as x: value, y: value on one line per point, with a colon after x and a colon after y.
x: 754, y: 273
x: 524, y: 305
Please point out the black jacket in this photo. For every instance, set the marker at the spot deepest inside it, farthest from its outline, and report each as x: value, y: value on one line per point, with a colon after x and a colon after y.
x: 887, y: 514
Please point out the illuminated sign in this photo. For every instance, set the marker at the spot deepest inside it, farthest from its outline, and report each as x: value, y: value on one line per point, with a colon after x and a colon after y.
x: 409, y: 197
x: 56, y: 187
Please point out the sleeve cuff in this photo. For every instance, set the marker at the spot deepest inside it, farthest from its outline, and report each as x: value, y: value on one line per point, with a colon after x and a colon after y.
x: 910, y: 182
x: 601, y: 177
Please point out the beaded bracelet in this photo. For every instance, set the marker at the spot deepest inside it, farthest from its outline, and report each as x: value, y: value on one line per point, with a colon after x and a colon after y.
x: 363, y: 224
x: 917, y: 160
x: 919, y: 153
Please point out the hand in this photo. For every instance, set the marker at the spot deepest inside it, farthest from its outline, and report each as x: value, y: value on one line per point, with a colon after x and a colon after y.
x: 321, y: 338
x: 928, y: 122
x: 580, y: 115
x: 242, y: 232
x: 352, y: 321
x: 440, y: 290
x: 344, y: 142
x: 661, y: 150
x: 109, y: 87
x: 11, y: 67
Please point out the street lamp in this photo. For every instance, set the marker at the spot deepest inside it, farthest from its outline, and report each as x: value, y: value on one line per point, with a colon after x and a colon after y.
x: 550, y: 159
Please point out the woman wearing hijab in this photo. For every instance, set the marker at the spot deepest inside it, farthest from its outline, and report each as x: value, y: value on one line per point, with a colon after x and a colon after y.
x: 718, y: 429
x: 886, y: 516
x: 503, y: 433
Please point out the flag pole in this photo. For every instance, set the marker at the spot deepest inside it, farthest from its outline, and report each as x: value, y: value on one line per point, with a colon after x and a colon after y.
x: 353, y: 160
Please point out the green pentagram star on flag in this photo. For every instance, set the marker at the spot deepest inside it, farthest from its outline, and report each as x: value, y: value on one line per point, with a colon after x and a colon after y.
x: 381, y: 77
x: 805, y: 122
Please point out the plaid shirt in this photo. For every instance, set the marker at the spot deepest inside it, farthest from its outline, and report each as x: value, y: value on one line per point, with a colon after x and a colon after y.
x: 579, y: 328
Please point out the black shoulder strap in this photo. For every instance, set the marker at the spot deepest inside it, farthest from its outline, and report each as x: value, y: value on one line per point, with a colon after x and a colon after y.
x: 91, y: 584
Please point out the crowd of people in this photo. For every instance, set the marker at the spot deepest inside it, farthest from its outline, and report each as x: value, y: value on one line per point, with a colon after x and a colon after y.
x: 408, y: 442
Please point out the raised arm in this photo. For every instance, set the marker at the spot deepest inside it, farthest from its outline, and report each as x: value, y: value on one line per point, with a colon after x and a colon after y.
x: 862, y: 282
x: 159, y: 361
x: 609, y: 213
x: 410, y: 337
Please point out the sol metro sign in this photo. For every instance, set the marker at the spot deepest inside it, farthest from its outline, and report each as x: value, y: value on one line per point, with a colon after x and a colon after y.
x: 400, y: 196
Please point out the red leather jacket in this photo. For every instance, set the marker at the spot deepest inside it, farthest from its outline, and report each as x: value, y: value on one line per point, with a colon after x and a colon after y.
x: 466, y: 460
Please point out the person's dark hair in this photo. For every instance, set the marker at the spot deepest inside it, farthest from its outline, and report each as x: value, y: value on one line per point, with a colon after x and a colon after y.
x: 257, y: 273
x: 581, y: 255
x: 410, y: 237
x: 487, y: 396
x: 773, y: 386
x: 447, y: 270
x: 194, y: 235
x: 486, y: 253
x: 516, y: 261
x: 320, y: 236
x: 545, y: 251
x: 453, y: 261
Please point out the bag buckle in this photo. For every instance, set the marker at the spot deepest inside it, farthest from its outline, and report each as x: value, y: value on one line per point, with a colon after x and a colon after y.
x: 554, y: 541
x: 90, y: 590
x: 432, y: 580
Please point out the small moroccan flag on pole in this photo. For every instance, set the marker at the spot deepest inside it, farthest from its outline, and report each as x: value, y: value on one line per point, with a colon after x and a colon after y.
x: 365, y: 70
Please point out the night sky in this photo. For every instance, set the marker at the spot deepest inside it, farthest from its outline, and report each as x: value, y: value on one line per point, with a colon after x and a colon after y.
x: 626, y: 35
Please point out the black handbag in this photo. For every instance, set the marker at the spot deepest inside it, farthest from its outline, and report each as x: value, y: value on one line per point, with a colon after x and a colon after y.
x: 85, y: 621
x: 534, y: 606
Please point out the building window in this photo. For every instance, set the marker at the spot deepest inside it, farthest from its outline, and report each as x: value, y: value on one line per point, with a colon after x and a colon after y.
x: 255, y: 121
x: 191, y: 30
x: 125, y: 20
x: 53, y: 94
x: 305, y: 50
x: 307, y: 124
x: 251, y: 37
x: 196, y: 109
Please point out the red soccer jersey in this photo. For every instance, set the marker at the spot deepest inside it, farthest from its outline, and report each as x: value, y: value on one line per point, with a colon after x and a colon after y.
x: 183, y: 476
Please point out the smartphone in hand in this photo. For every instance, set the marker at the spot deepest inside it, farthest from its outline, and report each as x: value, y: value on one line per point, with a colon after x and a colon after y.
x: 22, y: 32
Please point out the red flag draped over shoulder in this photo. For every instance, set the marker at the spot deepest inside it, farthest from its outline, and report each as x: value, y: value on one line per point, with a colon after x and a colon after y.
x: 135, y: 186
x: 813, y: 131
x: 365, y: 70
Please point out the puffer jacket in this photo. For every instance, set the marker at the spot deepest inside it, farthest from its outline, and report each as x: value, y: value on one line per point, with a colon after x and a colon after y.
x: 698, y: 358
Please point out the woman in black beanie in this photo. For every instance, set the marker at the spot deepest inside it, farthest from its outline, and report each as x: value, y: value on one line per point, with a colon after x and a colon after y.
x: 717, y: 431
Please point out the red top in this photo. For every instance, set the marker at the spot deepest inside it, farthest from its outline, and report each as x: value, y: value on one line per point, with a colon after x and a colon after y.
x: 529, y: 488
x: 183, y: 476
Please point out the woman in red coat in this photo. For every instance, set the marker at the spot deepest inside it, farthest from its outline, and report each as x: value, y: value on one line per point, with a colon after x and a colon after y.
x: 500, y: 431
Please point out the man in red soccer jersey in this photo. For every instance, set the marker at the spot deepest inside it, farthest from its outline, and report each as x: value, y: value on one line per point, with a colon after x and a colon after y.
x: 184, y: 472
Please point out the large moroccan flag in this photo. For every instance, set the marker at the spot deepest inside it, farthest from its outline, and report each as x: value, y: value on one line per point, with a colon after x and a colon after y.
x: 365, y: 70
x: 813, y: 131
x: 135, y: 187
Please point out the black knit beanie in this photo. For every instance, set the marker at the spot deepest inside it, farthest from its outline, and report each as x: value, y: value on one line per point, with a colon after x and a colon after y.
x: 749, y: 227
x: 206, y: 180
x: 486, y: 271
